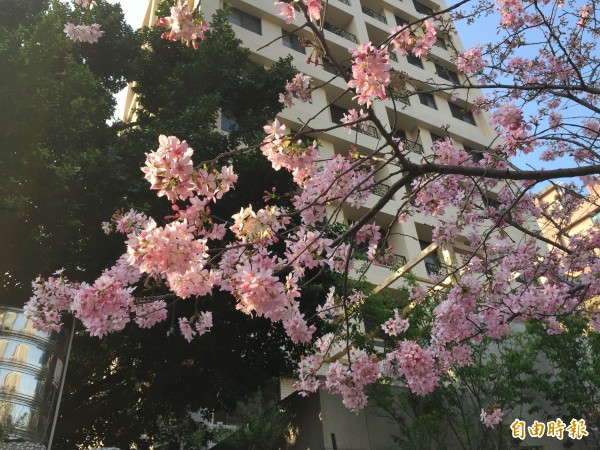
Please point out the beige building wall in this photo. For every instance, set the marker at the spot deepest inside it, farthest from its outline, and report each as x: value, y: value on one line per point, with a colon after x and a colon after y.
x: 582, y: 218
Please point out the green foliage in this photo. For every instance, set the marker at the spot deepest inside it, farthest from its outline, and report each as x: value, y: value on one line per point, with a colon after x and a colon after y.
x: 531, y: 374
x: 8, y: 424
x: 58, y: 177
x: 150, y: 373
x: 263, y: 423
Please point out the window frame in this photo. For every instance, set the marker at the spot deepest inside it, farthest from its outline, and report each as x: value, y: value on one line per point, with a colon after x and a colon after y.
x: 440, y: 42
x: 228, y: 124
x: 292, y: 41
x: 461, y: 113
x: 414, y: 60
x: 422, y: 9
x: 246, y: 20
x: 427, y: 99
x: 447, y: 74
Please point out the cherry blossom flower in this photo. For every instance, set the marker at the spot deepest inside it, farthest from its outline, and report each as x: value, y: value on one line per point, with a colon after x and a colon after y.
x: 471, y: 61
x: 370, y: 73
x: 83, y: 33
x: 286, y: 10
x: 491, y: 418
x: 184, y: 25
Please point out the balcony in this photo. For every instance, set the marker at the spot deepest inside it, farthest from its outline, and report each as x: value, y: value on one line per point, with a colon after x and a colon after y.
x: 337, y: 114
x: 410, y: 146
x: 340, y: 32
x: 401, y: 97
x: 433, y: 269
x: 370, y: 131
x: 414, y: 147
x: 392, y: 262
x: 374, y: 15
x: 380, y: 189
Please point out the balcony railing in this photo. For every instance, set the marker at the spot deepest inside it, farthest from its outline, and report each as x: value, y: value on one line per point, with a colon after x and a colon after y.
x: 347, y: 2
x: 380, y: 189
x: 392, y: 262
x: 374, y: 15
x: 414, y: 147
x: 340, y: 32
x: 393, y: 56
x: 433, y: 269
x: 401, y: 97
x: 370, y: 131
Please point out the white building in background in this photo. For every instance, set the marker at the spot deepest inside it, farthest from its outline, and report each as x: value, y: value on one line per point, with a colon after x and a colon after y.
x: 419, y: 118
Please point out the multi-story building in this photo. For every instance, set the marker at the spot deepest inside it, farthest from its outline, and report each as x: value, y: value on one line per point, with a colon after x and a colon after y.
x: 413, y: 114
x: 416, y: 112
x: 586, y: 214
x: 32, y: 371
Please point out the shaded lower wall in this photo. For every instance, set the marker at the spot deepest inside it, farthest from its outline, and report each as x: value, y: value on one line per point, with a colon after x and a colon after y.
x: 322, y: 422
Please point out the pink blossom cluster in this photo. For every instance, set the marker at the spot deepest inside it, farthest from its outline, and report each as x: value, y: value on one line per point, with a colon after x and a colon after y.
x: 354, y: 117
x: 298, y: 87
x: 338, y: 179
x: 370, y: 73
x: 509, y: 121
x: 313, y: 9
x: 104, y: 306
x: 161, y: 250
x: 350, y: 380
x: 83, y: 33
x: 491, y: 418
x: 149, y: 314
x: 585, y: 13
x: 260, y: 226
x: 170, y: 170
x: 283, y: 152
x: 198, y: 325
x: 50, y: 299
x: 417, y: 40
x: 395, y: 325
x: 125, y: 223
x: 471, y: 61
x: 184, y: 25
x: 308, y: 249
x: 286, y: 10
x: 85, y: 3
x: 513, y: 13
x: 416, y: 364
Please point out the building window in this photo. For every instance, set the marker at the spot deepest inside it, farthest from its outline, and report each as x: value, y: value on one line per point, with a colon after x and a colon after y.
x: 447, y: 74
x: 461, y: 114
x: 245, y: 20
x: 228, y: 124
x: 292, y: 41
x: 421, y: 8
x: 476, y: 155
x: 436, y: 137
x: 441, y: 43
x: 337, y: 113
x: 400, y: 21
x: 427, y: 99
x: 432, y: 262
x: 340, y: 32
x: 414, y: 60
